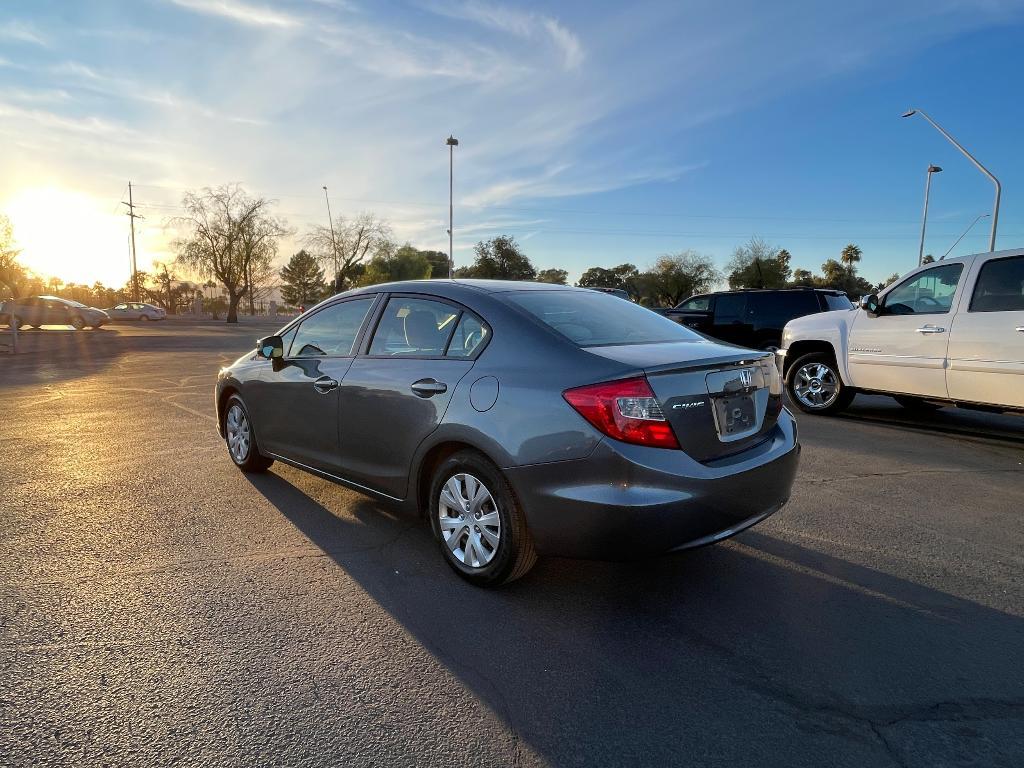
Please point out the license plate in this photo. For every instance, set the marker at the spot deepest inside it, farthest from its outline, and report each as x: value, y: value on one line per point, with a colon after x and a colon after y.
x: 736, y: 413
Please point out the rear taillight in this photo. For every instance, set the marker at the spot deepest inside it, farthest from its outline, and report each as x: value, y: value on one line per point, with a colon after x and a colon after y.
x: 626, y: 410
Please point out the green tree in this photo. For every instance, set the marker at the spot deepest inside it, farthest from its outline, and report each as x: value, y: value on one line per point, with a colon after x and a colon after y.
x: 600, y: 277
x: 803, y: 277
x: 556, y: 276
x: 160, y: 289
x: 928, y: 259
x: 673, y: 278
x: 438, y: 263
x: 756, y: 264
x: 302, y: 280
x: 392, y: 264
x: 499, y: 258
x: 850, y: 257
x: 887, y: 282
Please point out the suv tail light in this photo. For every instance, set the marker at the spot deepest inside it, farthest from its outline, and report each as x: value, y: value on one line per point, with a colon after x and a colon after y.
x: 626, y: 410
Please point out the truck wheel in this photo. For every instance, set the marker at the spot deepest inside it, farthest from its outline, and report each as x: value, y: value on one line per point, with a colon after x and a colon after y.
x: 916, y: 403
x: 814, y: 385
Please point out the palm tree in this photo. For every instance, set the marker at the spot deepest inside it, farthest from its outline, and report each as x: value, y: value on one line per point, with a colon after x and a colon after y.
x: 850, y: 256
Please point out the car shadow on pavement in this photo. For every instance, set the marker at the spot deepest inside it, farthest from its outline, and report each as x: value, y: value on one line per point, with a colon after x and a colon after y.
x: 757, y: 651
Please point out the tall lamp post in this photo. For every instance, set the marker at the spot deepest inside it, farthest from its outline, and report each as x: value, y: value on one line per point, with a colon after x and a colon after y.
x: 979, y: 166
x: 452, y: 143
x: 334, y: 242
x: 924, y: 218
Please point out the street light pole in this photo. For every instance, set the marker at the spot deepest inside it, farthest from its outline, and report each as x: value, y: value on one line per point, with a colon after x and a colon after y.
x: 452, y: 143
x: 334, y: 242
x: 979, y: 166
x: 924, y: 219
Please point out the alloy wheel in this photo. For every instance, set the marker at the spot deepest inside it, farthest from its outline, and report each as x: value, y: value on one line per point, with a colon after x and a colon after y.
x: 239, y: 435
x: 816, y: 385
x: 469, y: 520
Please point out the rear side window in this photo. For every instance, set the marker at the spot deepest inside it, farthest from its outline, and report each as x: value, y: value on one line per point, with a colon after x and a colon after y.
x: 729, y: 307
x: 414, y: 328
x: 590, y: 318
x: 332, y: 331
x: 1000, y: 286
x: 774, y: 310
x: 834, y: 302
x: 470, y: 334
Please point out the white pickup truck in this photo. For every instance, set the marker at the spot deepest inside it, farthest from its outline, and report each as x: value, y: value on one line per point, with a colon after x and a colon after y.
x: 948, y: 333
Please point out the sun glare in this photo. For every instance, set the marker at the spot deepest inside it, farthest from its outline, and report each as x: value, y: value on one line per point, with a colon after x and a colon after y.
x: 71, y: 236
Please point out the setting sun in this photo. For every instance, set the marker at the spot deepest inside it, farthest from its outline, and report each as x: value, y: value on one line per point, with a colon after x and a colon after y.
x: 71, y: 236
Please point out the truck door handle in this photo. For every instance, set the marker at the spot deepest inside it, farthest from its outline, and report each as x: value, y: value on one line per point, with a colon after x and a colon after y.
x: 931, y: 329
x: 429, y: 387
x: 325, y: 384
x: 1020, y: 329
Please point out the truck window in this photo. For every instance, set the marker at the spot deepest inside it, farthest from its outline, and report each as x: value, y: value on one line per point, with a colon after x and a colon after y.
x: 696, y: 304
x: 926, y: 293
x: 774, y: 310
x: 1000, y: 286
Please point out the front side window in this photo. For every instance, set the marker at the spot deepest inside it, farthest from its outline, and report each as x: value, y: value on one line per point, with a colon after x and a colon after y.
x: 1000, y: 286
x: 589, y: 318
x: 121, y: 306
x: 927, y: 293
x: 332, y: 331
x: 470, y: 334
x: 696, y: 304
x: 414, y: 328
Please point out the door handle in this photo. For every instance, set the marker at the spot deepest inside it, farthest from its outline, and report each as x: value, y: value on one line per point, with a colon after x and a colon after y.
x: 1020, y: 329
x: 931, y: 329
x: 429, y: 387
x: 325, y: 384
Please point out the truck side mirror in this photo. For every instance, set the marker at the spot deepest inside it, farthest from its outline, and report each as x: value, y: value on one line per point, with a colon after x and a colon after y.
x: 869, y: 303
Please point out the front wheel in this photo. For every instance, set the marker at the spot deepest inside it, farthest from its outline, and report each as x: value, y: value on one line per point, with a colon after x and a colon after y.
x: 15, y: 322
x: 241, y: 439
x: 814, y: 385
x: 478, y: 522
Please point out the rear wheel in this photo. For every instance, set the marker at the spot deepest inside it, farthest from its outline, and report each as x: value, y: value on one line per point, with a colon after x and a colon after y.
x: 478, y: 522
x: 77, y: 323
x: 241, y: 439
x: 144, y: 317
x: 916, y: 403
x: 814, y: 385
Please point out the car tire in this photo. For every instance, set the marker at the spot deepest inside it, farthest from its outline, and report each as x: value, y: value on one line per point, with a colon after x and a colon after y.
x: 470, y: 549
x: 240, y: 438
x: 77, y: 323
x: 15, y: 322
x: 815, y: 386
x: 144, y: 317
x: 912, y: 403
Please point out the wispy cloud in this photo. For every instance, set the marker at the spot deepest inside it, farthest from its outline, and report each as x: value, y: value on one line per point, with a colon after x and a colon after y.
x: 523, y: 24
x: 245, y: 13
x: 22, y: 33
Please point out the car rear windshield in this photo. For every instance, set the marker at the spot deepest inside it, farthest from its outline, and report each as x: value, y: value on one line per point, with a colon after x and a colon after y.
x: 841, y: 301
x: 591, y: 319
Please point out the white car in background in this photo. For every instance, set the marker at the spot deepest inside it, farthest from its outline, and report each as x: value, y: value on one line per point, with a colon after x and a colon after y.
x: 133, y: 310
x: 949, y: 333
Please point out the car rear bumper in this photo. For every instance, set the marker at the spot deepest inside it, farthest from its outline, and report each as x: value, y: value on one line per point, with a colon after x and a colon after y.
x: 627, y: 501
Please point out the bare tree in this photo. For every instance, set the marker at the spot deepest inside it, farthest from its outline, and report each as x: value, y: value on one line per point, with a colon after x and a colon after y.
x: 343, y: 252
x: 230, y: 237
x: 12, y: 274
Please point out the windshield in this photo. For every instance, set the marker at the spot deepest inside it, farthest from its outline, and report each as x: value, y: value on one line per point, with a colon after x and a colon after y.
x: 592, y: 319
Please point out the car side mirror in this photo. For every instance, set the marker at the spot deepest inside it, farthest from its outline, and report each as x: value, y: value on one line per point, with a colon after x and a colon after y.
x: 870, y: 303
x: 270, y: 348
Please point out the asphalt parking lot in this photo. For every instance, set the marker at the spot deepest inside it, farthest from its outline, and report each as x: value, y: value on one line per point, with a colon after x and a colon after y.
x: 158, y: 607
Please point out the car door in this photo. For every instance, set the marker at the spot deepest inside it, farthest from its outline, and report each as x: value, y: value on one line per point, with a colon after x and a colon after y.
x: 902, y: 348
x: 295, y: 399
x: 55, y: 313
x: 986, y: 343
x: 118, y: 312
x: 396, y: 393
x: 731, y: 323
x: 694, y: 313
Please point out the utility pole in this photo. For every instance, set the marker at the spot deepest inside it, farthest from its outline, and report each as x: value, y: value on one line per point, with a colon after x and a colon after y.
x: 334, y: 243
x: 132, y: 216
x: 452, y: 143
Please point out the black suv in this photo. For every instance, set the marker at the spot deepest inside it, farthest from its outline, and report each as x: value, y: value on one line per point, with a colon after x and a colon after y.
x: 754, y: 318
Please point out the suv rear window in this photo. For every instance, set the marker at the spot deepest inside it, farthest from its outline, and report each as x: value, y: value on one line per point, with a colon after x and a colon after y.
x: 591, y: 319
x: 834, y: 302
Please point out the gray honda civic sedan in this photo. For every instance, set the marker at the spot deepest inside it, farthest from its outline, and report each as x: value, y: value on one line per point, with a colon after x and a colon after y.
x: 522, y: 419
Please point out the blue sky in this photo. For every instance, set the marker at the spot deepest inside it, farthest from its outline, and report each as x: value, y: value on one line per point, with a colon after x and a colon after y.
x: 595, y: 133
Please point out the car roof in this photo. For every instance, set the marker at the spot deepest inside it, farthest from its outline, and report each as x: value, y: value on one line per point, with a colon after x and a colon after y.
x: 445, y: 287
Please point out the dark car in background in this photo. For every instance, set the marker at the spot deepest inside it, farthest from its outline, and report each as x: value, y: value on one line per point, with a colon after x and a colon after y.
x: 520, y: 419
x: 754, y: 318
